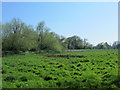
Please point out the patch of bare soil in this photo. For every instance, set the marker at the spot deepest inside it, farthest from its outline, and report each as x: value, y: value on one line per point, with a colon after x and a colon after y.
x: 80, y: 56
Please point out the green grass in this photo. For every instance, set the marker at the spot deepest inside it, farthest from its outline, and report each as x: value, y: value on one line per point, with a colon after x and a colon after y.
x: 37, y: 71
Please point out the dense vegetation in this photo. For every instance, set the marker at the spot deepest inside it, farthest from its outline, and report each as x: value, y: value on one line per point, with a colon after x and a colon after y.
x: 23, y: 38
x: 39, y: 58
x: 98, y: 69
x: 17, y: 36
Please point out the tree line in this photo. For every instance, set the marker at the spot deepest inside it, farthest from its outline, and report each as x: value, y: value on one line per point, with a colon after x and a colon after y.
x: 17, y: 36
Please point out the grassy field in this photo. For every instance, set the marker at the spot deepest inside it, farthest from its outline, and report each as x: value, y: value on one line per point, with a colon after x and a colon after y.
x: 97, y: 69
